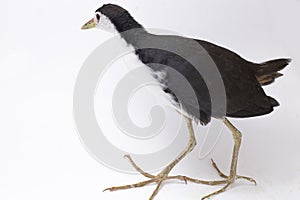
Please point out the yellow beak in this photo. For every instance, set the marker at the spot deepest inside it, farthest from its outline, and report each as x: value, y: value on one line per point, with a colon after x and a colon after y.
x: 89, y: 24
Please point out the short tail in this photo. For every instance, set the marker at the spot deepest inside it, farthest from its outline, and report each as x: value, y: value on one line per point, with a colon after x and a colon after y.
x: 267, y: 72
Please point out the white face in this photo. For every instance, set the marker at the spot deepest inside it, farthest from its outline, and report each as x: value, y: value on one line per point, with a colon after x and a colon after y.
x: 104, y: 23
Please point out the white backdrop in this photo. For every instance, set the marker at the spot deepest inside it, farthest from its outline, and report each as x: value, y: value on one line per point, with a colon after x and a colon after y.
x: 42, y: 49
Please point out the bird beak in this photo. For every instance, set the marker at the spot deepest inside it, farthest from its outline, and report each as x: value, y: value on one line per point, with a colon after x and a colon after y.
x: 89, y: 24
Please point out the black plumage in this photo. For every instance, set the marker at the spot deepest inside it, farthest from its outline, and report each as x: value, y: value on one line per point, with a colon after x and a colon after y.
x: 242, y: 79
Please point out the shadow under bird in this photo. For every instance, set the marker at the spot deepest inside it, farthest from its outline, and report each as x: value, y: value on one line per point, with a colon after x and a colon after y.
x: 190, y: 71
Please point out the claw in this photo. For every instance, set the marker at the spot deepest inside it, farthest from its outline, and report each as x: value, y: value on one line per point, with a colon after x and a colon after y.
x: 229, y: 180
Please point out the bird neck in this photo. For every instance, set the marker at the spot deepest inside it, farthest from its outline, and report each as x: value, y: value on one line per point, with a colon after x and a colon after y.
x: 135, y: 37
x: 129, y: 29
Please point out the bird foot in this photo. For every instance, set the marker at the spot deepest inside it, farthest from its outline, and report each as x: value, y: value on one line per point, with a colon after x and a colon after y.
x: 229, y: 180
x: 158, y: 179
x: 164, y: 176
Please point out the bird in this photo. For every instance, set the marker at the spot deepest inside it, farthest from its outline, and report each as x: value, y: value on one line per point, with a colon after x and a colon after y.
x: 172, y: 59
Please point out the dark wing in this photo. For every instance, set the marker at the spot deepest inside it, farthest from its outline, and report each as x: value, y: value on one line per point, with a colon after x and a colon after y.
x: 245, y: 96
x: 172, y: 55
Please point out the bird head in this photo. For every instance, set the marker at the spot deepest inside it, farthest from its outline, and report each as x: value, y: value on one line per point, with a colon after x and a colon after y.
x: 112, y: 18
x: 102, y: 18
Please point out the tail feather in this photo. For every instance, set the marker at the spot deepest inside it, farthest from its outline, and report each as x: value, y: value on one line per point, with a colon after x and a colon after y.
x: 268, y: 79
x: 273, y: 102
x: 267, y: 72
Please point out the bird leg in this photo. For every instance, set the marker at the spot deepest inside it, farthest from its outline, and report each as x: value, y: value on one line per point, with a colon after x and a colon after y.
x: 237, y: 136
x: 164, y: 174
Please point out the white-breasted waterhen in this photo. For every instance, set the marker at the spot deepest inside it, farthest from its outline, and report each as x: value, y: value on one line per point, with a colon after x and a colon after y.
x: 242, y: 81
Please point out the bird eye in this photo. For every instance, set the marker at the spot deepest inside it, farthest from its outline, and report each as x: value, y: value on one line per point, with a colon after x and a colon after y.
x: 98, y: 17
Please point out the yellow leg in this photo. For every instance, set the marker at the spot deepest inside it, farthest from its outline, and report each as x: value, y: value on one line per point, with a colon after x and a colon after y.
x: 237, y: 136
x: 164, y: 174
